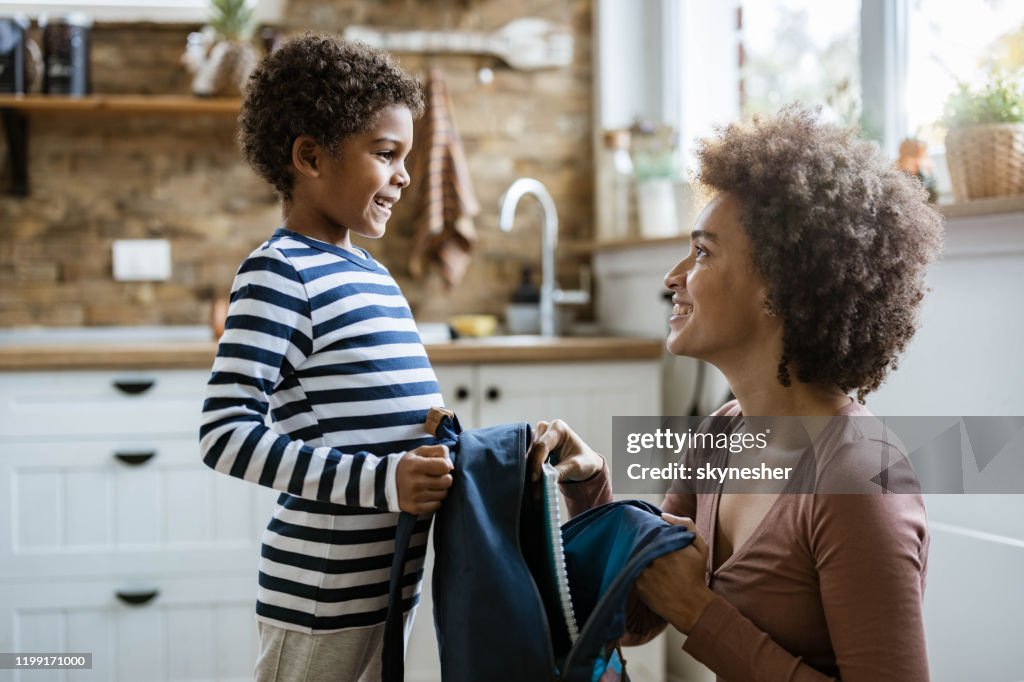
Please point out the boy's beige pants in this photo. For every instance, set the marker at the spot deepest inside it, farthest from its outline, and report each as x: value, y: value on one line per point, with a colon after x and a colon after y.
x: 346, y: 656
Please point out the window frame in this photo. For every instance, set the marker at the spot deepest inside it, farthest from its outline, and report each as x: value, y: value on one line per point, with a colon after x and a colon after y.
x: 883, y: 68
x: 884, y: 31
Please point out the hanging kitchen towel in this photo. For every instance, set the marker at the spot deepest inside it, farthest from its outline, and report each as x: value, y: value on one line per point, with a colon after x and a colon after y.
x: 445, y: 233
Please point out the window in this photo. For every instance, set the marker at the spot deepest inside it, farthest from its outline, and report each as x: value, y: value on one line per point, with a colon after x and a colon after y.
x: 951, y: 42
x: 803, y: 50
x: 888, y: 65
x: 741, y: 57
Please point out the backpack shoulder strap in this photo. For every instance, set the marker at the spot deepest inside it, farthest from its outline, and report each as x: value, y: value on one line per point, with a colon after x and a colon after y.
x: 444, y: 425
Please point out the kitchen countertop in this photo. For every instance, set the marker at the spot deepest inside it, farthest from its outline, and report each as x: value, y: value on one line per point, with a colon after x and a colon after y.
x: 192, y: 348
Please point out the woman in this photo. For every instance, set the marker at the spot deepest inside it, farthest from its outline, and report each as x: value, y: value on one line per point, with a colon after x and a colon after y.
x: 802, y: 285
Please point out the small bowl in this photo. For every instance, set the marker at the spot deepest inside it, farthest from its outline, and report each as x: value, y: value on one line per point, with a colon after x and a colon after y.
x: 474, y: 325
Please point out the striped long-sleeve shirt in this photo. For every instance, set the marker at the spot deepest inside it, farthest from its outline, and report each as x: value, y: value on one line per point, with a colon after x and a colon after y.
x: 322, y: 340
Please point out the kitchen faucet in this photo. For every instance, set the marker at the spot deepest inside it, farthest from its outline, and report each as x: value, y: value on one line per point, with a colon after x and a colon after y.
x: 549, y: 294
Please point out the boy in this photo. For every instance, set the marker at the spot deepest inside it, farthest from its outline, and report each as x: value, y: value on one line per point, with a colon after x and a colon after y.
x: 319, y: 335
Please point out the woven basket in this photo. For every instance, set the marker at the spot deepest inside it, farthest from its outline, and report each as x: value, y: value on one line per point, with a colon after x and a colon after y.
x: 986, y: 160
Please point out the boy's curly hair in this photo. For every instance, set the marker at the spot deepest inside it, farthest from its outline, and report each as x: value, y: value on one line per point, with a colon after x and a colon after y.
x: 321, y: 86
x: 840, y: 236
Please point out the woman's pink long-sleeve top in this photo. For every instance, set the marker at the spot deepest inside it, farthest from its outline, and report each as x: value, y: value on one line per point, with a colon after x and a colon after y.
x: 829, y: 586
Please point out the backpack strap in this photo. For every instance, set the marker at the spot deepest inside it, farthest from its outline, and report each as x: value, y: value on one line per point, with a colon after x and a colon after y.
x: 444, y: 425
x: 393, y: 657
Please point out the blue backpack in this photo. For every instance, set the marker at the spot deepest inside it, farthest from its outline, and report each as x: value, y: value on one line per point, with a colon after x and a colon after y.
x: 498, y: 613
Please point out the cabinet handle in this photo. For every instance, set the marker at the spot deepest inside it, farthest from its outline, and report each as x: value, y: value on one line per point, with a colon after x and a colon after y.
x: 136, y: 387
x: 461, y: 393
x: 137, y: 597
x: 493, y: 393
x: 135, y: 458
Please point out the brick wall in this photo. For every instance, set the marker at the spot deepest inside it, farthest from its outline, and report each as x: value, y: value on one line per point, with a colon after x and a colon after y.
x: 99, y: 178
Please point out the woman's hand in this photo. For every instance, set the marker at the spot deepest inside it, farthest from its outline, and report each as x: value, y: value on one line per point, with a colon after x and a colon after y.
x: 576, y: 461
x: 673, y: 585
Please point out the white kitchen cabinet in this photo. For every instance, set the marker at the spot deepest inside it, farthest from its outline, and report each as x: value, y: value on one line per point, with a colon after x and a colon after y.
x: 586, y: 395
x: 190, y: 628
x: 108, y: 496
x: 149, y: 503
x: 94, y: 404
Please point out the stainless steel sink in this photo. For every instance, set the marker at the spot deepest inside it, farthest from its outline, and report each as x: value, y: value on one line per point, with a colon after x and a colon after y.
x: 508, y: 340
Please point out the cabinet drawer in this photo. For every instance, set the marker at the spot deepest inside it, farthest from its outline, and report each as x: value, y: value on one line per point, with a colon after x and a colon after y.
x: 196, y: 629
x: 55, y: 404
x: 95, y: 508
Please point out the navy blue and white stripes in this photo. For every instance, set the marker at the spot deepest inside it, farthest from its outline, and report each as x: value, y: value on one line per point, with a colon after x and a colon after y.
x: 319, y: 385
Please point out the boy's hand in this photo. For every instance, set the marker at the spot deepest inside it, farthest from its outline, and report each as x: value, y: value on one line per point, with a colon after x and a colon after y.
x: 423, y: 478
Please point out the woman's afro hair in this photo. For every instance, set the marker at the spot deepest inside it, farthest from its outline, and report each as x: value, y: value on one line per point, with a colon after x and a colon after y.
x: 840, y: 236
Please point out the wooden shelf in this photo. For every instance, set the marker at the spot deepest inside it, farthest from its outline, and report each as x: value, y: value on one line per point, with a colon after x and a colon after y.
x: 136, y: 104
x: 982, y: 207
x: 14, y: 111
x: 999, y: 206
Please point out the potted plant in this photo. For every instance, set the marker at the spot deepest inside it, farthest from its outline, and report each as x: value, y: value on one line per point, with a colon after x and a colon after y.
x: 222, y: 56
x: 985, y: 142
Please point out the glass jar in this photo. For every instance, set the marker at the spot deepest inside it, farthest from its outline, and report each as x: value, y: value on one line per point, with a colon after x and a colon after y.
x: 620, y: 206
x: 66, y: 54
x: 13, y: 54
